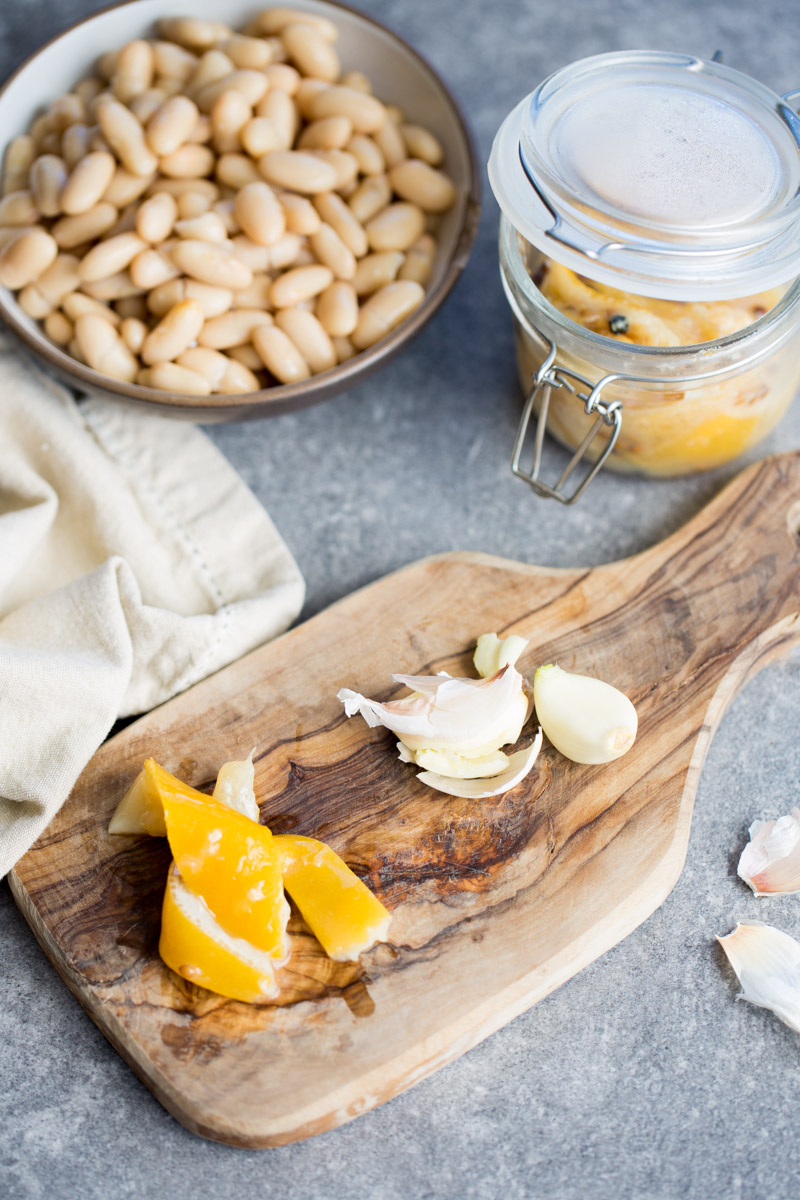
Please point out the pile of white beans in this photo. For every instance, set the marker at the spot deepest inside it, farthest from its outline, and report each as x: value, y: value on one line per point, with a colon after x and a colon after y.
x: 214, y: 212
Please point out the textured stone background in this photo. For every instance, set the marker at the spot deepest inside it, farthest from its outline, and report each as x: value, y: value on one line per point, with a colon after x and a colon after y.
x: 640, y: 1078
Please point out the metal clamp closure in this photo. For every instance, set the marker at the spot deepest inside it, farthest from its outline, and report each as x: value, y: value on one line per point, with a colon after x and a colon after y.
x: 608, y: 415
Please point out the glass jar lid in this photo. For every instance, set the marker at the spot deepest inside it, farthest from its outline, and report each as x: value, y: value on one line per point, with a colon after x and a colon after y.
x: 656, y: 173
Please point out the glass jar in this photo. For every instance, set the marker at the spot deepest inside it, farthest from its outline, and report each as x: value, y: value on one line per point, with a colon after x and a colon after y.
x: 596, y: 210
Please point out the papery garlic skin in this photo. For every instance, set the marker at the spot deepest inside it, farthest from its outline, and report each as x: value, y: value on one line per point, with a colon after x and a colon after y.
x: 520, y: 765
x: 493, y: 653
x: 466, y: 716
x: 770, y: 862
x: 588, y: 720
x: 767, y: 965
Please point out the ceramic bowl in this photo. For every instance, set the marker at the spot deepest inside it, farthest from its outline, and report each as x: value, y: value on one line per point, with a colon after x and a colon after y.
x: 400, y: 76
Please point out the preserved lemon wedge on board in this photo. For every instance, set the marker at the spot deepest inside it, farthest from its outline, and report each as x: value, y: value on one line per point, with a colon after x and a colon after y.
x: 227, y: 860
x: 140, y: 809
x: 196, y: 947
x: 341, y: 911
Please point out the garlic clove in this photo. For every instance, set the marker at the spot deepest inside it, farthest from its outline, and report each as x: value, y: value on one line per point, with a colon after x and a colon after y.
x: 767, y: 965
x: 235, y: 786
x: 449, y: 713
x: 492, y: 652
x: 770, y: 862
x: 460, y: 766
x: 481, y: 789
x: 588, y: 720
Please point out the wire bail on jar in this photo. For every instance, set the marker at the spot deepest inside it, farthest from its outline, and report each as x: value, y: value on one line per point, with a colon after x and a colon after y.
x: 608, y: 415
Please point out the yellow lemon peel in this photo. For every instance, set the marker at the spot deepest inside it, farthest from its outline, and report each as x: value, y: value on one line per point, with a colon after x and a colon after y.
x: 343, y: 914
x: 224, y: 914
x: 228, y: 860
x: 196, y: 947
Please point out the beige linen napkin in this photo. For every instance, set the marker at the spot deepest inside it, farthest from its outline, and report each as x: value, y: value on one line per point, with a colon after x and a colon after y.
x: 133, y: 562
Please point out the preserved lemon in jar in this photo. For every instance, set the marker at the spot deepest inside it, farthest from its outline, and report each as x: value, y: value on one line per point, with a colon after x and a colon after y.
x: 650, y: 252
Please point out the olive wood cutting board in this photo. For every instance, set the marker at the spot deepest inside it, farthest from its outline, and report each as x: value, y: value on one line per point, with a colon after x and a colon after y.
x: 495, y: 903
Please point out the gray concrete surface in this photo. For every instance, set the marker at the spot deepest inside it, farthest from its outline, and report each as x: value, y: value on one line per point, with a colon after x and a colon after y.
x: 641, y: 1079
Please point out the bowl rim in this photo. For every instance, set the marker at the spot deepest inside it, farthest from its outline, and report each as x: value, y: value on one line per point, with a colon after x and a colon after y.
x: 280, y: 398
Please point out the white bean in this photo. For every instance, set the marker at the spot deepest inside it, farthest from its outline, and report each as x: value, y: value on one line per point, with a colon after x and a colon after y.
x: 333, y: 252
x: 279, y: 108
x: 337, y: 309
x: 85, y: 226
x: 17, y: 161
x: 301, y: 215
x: 259, y: 213
x: 370, y: 197
x: 419, y: 260
x: 376, y: 270
x: 279, y: 354
x: 59, y: 328
x: 275, y: 20
x: 396, y: 227
x: 193, y: 32
x: 171, y: 124
x: 225, y: 375
x: 210, y: 263
x: 48, y: 174
x: 18, y: 208
x: 423, y: 185
x: 331, y: 133
x: 109, y: 257
x: 311, y: 52
x: 174, y: 333
x: 103, y: 348
x: 152, y: 267
x: 385, y: 310
x: 76, y: 304
x: 297, y: 171
x: 367, y: 154
x: 26, y: 257
x: 366, y: 112
x: 156, y: 217
x: 208, y: 227
x: 133, y: 70
x: 298, y: 284
x: 170, y: 377
x: 125, y: 136
x: 232, y: 328
x: 421, y: 143
x: 87, y: 182
x: 337, y: 213
x: 212, y: 300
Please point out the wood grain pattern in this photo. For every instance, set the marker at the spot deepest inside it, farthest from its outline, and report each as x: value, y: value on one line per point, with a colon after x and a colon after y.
x: 495, y: 903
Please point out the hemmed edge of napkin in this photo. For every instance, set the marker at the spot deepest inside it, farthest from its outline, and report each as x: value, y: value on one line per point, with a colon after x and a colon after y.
x: 220, y: 530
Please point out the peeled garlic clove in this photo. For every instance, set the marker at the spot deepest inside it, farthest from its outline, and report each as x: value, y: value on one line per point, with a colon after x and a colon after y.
x: 480, y: 789
x: 235, y: 786
x: 492, y: 652
x: 770, y: 861
x: 460, y: 766
x: 588, y: 720
x: 767, y: 965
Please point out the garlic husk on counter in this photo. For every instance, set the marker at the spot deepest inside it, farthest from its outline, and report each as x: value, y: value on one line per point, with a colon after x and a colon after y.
x: 767, y: 965
x: 588, y: 720
x: 770, y: 862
